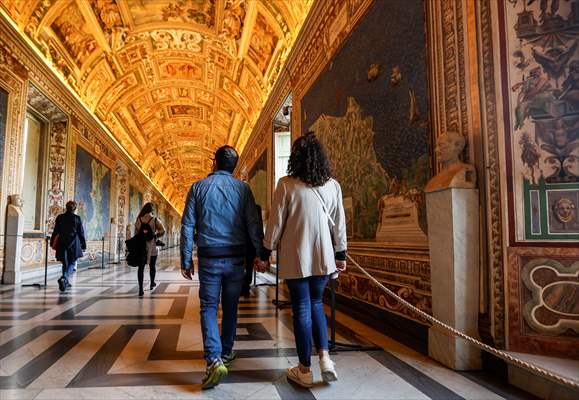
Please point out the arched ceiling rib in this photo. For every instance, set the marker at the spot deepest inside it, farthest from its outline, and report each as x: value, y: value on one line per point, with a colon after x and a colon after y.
x: 171, y: 79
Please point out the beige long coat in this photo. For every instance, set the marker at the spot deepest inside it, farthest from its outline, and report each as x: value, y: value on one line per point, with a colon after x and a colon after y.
x: 157, y: 227
x: 299, y: 225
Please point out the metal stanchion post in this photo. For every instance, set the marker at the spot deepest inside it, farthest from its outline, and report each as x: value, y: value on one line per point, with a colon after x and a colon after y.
x: 103, y: 253
x: 280, y: 304
x: 46, y: 261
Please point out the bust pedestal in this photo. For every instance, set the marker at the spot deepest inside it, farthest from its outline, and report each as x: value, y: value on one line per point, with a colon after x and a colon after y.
x: 453, y: 231
x: 14, y: 231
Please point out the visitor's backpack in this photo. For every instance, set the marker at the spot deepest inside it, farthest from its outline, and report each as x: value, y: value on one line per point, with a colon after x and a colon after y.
x: 137, y: 245
x: 145, y: 232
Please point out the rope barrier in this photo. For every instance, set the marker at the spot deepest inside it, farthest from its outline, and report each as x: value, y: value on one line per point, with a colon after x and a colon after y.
x: 499, y: 353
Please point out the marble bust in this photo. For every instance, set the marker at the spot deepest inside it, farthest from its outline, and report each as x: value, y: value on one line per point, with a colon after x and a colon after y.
x: 15, y: 200
x: 455, y: 173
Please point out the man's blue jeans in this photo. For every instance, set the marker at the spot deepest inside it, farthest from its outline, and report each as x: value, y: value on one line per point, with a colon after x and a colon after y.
x: 219, y: 277
x: 308, y: 315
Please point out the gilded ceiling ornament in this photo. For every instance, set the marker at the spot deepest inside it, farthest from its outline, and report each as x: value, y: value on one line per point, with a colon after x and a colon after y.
x: 108, y: 14
x: 174, y: 41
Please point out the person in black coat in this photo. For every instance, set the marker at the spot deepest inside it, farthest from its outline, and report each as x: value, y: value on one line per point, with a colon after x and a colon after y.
x: 69, y: 242
x: 251, y: 253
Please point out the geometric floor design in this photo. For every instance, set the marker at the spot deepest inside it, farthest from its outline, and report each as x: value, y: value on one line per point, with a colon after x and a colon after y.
x: 100, y: 341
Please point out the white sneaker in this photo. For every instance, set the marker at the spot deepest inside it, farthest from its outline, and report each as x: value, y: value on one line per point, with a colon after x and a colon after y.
x: 303, y: 379
x: 328, y: 369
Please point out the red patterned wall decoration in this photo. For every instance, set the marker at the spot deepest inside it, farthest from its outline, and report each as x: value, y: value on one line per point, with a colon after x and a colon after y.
x: 544, y: 301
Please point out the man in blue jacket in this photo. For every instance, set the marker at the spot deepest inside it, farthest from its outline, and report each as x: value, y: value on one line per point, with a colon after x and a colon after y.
x: 220, y: 218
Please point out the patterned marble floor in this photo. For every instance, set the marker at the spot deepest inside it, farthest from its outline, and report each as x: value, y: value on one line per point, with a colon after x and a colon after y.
x: 99, y: 340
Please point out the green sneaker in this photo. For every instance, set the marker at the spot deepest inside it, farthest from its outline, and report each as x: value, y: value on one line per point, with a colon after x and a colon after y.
x: 213, y: 375
x: 228, y: 359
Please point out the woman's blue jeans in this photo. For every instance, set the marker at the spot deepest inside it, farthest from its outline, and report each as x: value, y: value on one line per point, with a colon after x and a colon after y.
x: 308, y: 315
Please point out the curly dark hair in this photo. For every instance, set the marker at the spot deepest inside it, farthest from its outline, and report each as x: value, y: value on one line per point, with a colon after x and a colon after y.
x: 308, y: 161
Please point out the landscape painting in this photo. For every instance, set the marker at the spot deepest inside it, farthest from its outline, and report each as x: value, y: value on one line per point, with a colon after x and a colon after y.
x: 369, y: 107
x: 257, y: 180
x: 135, y: 204
x: 92, y: 192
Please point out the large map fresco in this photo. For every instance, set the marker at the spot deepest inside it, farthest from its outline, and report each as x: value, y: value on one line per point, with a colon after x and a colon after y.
x: 369, y: 107
x: 135, y: 204
x: 257, y: 180
x: 92, y: 193
x: 543, y: 78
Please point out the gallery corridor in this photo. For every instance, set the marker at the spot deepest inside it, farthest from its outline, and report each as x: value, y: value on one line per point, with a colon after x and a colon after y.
x: 99, y: 340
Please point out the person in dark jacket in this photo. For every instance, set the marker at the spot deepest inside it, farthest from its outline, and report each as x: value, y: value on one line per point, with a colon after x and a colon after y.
x: 70, y: 242
x: 220, y: 218
x: 250, y: 259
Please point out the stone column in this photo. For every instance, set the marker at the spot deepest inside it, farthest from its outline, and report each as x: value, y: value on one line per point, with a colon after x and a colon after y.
x: 453, y: 229
x: 13, y: 248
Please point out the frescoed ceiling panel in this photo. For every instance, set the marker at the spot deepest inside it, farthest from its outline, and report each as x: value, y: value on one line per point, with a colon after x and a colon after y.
x: 171, y: 79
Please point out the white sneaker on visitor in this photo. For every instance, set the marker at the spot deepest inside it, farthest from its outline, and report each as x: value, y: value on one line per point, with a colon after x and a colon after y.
x: 328, y: 369
x: 303, y: 379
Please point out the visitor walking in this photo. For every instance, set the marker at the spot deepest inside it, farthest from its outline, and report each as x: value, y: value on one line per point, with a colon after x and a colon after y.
x: 69, y: 242
x: 250, y: 258
x: 219, y: 218
x: 307, y: 225
x: 149, y: 228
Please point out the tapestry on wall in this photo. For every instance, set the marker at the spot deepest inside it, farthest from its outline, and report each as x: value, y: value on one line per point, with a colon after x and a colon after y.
x: 92, y: 193
x: 543, y: 118
x: 257, y: 180
x: 369, y: 107
x: 135, y: 204
x: 3, y: 119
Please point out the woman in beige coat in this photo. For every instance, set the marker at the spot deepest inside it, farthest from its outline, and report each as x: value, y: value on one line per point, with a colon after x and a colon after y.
x: 147, y: 217
x: 307, y: 227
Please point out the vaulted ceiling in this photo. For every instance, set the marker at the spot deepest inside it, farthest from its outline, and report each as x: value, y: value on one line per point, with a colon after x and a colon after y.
x: 171, y: 79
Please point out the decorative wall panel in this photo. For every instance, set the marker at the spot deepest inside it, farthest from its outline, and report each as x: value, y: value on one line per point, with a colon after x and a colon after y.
x: 56, y: 171
x: 543, y: 120
x: 407, y: 275
x: 543, y: 305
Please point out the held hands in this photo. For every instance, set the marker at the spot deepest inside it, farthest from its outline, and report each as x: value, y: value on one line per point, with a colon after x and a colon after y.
x: 340, y: 265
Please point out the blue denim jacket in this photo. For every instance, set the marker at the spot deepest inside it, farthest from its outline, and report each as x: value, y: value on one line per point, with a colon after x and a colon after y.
x: 220, y: 217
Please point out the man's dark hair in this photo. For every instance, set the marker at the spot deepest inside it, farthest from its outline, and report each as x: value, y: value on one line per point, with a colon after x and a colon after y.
x: 308, y: 161
x: 71, y: 206
x: 226, y: 158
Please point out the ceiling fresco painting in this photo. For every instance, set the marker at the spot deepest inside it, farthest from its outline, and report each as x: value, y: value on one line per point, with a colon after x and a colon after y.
x: 171, y: 79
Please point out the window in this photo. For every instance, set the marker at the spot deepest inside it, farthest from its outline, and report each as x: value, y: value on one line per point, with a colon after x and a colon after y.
x: 282, y: 154
x: 282, y: 138
x: 33, y: 174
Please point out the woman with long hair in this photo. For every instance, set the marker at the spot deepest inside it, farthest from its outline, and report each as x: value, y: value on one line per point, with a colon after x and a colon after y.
x: 69, y: 242
x: 307, y: 226
x: 147, y: 222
